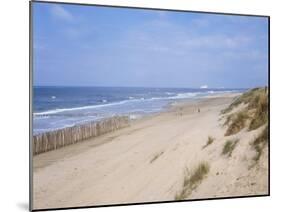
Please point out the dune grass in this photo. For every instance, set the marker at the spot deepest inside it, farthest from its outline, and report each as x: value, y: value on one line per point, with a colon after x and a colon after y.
x: 245, y: 98
x: 228, y: 120
x: 261, y: 113
x: 191, y: 181
x: 229, y: 146
x: 259, y: 143
x: 255, y: 113
x: 156, y: 156
x: 209, y: 142
x: 238, y: 122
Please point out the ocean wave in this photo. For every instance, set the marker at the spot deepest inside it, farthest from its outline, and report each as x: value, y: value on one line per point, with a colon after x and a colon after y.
x: 135, y: 116
x: 60, y: 110
x: 187, y: 95
x: 55, y: 111
x: 42, y: 117
x: 169, y: 93
x: 178, y: 96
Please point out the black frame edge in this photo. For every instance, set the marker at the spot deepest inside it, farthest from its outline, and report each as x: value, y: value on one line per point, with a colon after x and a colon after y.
x: 30, y: 106
x: 268, y: 49
x: 149, y: 203
x: 149, y: 8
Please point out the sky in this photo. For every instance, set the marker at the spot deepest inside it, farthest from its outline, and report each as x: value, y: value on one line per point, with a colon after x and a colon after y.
x: 76, y: 45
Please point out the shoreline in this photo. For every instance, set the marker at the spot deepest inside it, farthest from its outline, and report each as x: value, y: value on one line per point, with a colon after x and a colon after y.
x: 58, y: 138
x: 131, y: 114
x: 147, y: 161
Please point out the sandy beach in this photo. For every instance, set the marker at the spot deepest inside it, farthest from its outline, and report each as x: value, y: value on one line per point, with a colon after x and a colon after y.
x: 148, y: 161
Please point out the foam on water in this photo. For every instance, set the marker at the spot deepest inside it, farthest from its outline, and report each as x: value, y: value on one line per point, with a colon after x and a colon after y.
x: 61, y: 107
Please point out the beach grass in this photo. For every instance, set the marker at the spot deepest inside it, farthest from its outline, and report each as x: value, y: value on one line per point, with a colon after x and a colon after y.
x: 261, y: 113
x: 192, y: 180
x: 228, y: 120
x: 259, y: 143
x: 246, y: 98
x: 156, y: 156
x: 209, y: 142
x: 238, y: 122
x: 229, y: 146
x: 252, y: 116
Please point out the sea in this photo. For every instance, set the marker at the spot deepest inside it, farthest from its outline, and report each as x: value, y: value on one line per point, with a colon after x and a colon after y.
x: 56, y: 107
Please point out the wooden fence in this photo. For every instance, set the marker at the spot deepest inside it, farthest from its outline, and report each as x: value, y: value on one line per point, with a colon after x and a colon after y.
x: 62, y: 137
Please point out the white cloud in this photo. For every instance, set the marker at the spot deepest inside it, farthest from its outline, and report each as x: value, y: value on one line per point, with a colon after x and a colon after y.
x: 61, y: 13
x: 215, y: 41
x: 163, y: 36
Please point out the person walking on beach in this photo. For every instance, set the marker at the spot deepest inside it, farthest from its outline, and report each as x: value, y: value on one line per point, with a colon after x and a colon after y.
x: 198, y: 110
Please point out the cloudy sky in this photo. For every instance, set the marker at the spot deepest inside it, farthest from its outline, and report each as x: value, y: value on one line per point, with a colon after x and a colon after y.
x: 97, y: 46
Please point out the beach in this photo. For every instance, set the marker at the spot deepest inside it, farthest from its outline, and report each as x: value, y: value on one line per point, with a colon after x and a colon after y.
x: 148, y: 160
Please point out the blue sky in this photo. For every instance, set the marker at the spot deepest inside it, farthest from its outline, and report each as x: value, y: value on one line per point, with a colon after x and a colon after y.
x: 77, y: 45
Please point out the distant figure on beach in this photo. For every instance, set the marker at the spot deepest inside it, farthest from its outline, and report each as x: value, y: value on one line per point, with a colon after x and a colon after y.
x: 181, y: 111
x: 198, y: 110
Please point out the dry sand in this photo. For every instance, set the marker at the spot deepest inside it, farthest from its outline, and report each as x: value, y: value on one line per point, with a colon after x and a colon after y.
x: 146, y: 161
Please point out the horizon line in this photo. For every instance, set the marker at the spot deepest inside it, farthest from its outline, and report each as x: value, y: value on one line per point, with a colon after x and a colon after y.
x: 118, y: 86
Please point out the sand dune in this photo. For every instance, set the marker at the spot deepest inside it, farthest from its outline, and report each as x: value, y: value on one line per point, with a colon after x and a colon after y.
x: 147, y: 161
